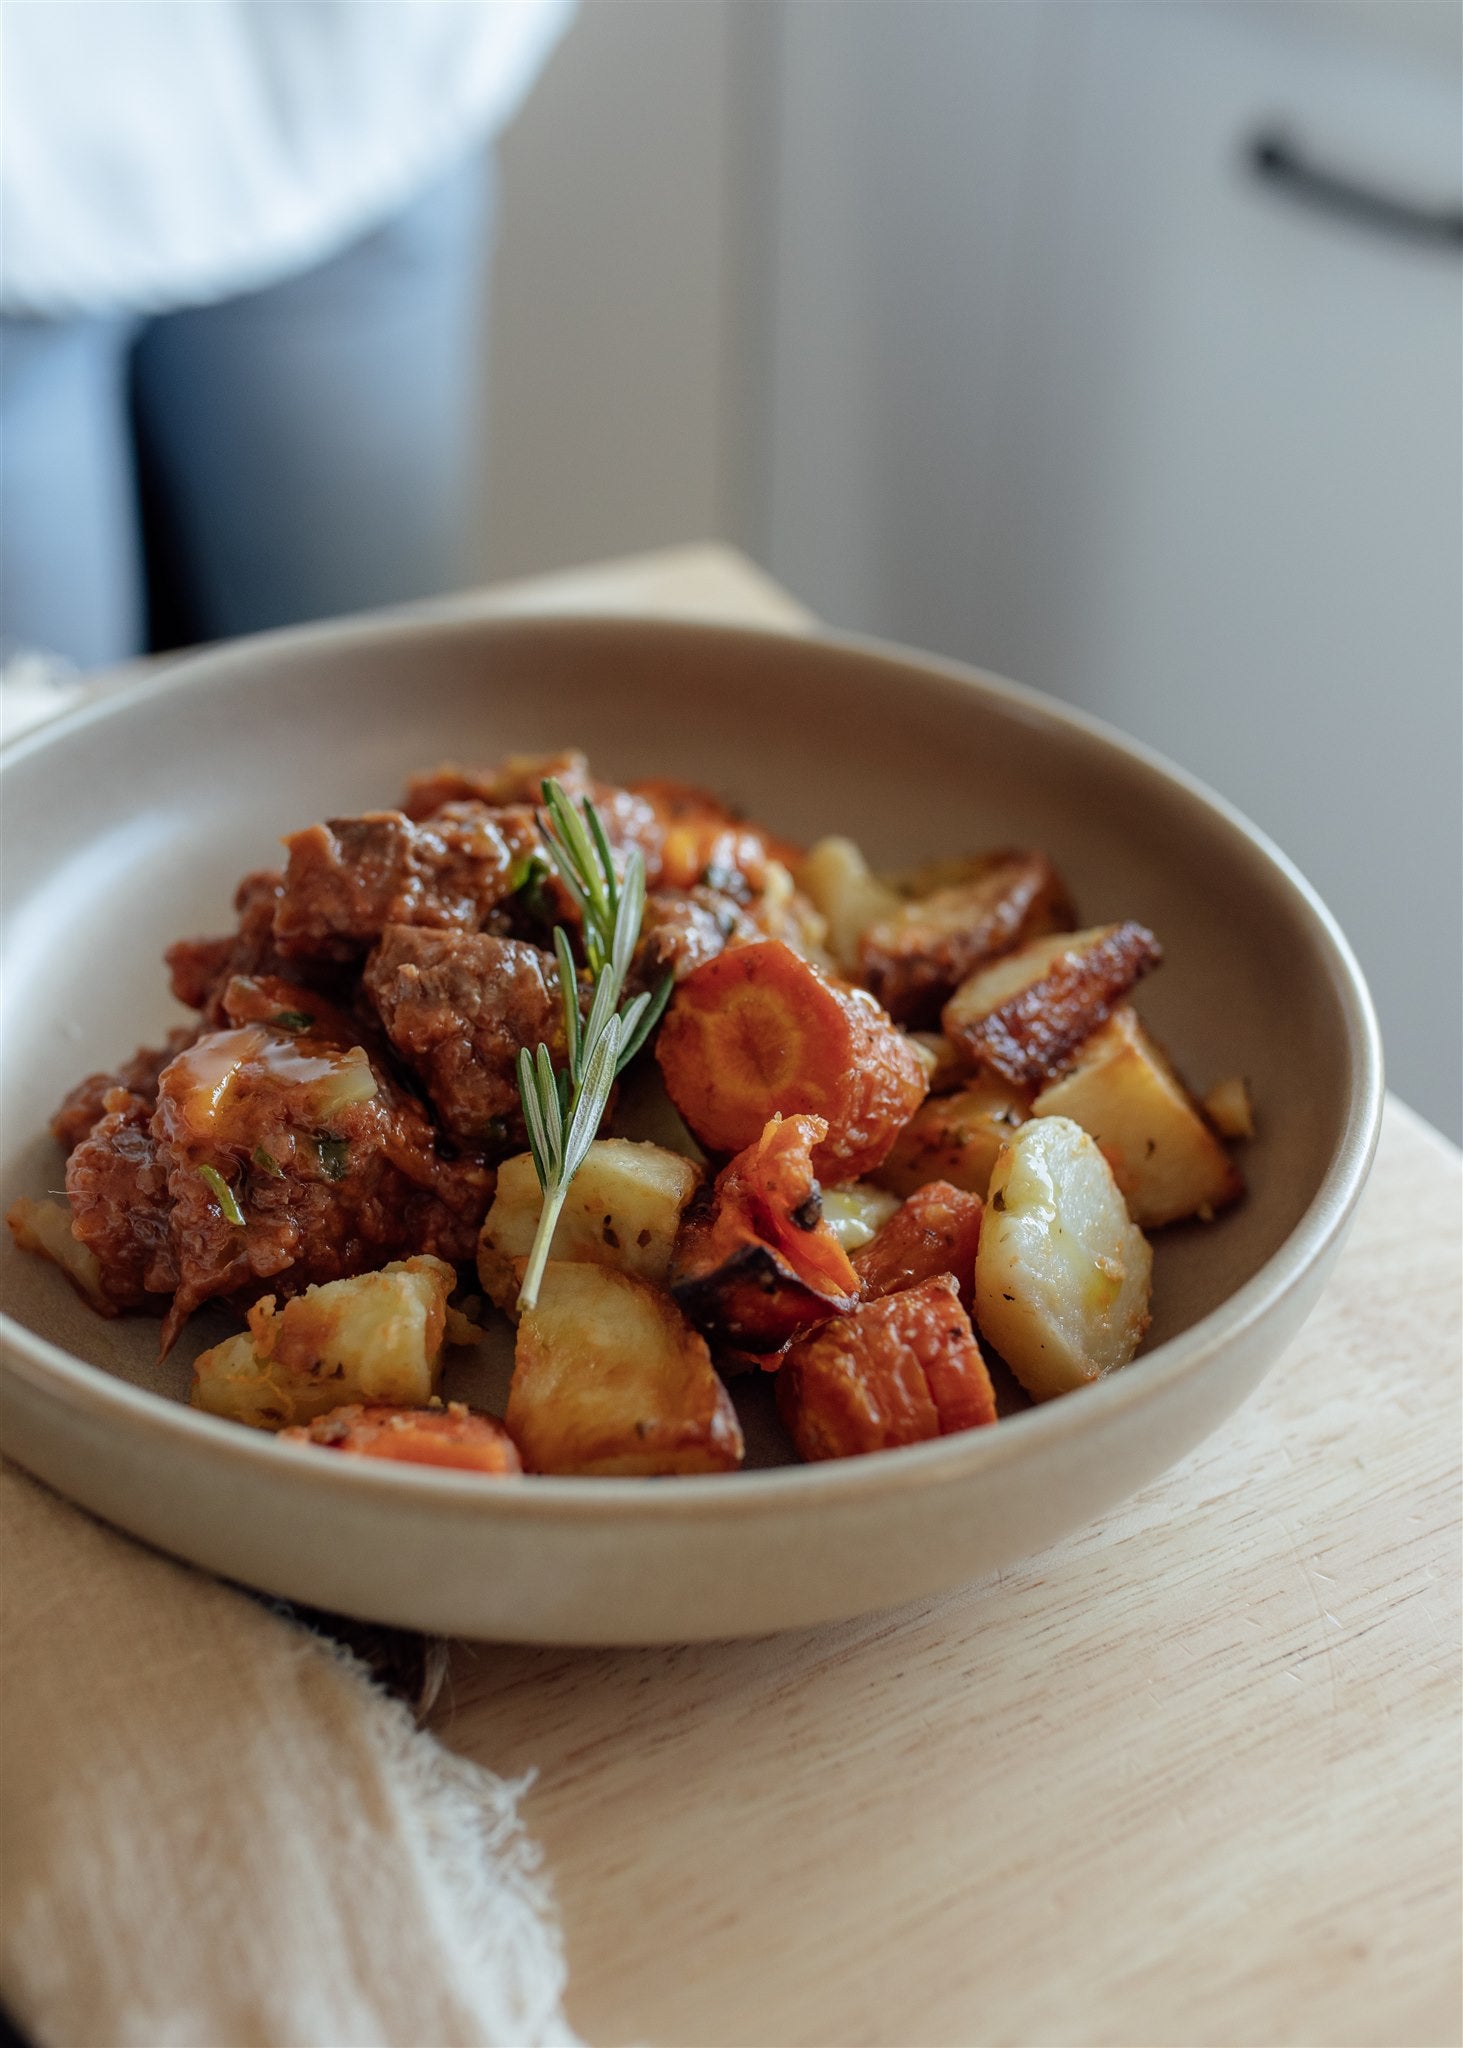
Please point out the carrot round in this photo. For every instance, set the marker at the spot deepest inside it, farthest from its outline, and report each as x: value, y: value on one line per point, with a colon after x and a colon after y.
x: 451, y: 1436
x: 758, y: 1032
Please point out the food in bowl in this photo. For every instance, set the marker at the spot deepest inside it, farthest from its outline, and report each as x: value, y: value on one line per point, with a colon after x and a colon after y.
x: 687, y: 1101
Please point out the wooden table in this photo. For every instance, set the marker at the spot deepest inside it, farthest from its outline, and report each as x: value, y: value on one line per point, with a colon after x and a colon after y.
x: 1192, y: 1777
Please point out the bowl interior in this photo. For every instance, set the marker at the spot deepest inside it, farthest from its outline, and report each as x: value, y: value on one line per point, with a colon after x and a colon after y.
x: 130, y: 826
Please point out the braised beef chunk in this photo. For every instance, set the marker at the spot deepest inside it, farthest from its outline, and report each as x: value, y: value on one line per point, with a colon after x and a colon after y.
x: 681, y: 928
x: 518, y: 780
x: 86, y: 1104
x: 116, y: 1182
x: 457, y: 1007
x: 291, y: 1158
x: 199, y: 968
x: 348, y: 879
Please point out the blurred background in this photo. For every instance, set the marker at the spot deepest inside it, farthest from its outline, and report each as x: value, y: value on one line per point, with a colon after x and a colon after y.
x: 979, y: 327
x: 1111, y: 345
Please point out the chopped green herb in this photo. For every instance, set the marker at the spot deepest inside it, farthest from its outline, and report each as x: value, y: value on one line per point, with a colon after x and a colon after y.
x: 223, y: 1194
x: 292, y: 1020
x: 267, y: 1163
x: 526, y: 879
x: 334, y: 1157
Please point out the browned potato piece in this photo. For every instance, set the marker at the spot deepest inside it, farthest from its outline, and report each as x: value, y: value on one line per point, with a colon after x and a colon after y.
x: 1229, y: 1108
x: 1025, y: 1016
x: 1062, y: 1273
x: 1124, y: 1093
x: 376, y: 1338
x: 956, y: 1137
x: 623, y: 1209
x: 45, y: 1229
x: 610, y: 1380
x: 915, y: 959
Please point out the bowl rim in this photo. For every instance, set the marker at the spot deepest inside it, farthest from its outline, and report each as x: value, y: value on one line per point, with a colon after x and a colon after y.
x: 91, y: 1391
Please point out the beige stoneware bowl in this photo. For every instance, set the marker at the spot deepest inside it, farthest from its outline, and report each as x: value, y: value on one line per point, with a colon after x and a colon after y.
x: 127, y: 823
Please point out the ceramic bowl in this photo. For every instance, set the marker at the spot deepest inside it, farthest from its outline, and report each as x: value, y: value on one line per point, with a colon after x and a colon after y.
x: 127, y: 823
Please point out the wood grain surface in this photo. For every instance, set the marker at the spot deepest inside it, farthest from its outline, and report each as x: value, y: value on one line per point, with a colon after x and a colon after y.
x: 1191, y: 1778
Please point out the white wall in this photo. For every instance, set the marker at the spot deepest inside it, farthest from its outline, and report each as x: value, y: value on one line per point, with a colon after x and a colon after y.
x: 1057, y: 388
x: 608, y: 365
x: 964, y: 319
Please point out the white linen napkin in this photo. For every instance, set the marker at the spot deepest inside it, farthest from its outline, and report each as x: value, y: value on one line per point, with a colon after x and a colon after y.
x: 217, y: 1832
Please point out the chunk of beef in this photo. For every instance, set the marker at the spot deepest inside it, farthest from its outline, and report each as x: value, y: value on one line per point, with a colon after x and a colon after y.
x: 117, y: 1186
x: 682, y: 927
x: 86, y: 1104
x: 517, y: 781
x: 329, y: 1181
x: 348, y: 879
x: 201, y: 969
x: 458, y: 1007
x: 514, y: 792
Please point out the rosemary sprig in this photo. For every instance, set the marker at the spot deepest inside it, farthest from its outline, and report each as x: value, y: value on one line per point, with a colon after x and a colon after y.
x: 563, y: 1109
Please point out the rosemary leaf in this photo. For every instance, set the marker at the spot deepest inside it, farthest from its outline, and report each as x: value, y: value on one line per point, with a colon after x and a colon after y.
x: 223, y: 1194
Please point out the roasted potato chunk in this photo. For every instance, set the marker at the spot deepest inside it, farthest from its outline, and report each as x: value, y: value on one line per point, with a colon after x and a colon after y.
x: 759, y: 1032
x: 836, y: 876
x: 623, y: 1209
x: 1062, y: 1275
x: 916, y: 958
x: 896, y: 1371
x: 44, y: 1228
x: 956, y: 1138
x: 1229, y: 1108
x: 452, y: 1436
x: 935, y: 1231
x: 755, y: 1264
x: 857, y: 1212
x: 1024, y: 1017
x: 610, y: 1380
x: 1166, y: 1160
x: 375, y: 1338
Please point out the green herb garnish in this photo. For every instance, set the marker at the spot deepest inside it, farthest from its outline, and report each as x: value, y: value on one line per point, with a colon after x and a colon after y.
x: 563, y: 1110
x: 334, y: 1157
x: 223, y: 1194
x: 292, y: 1020
x: 267, y: 1163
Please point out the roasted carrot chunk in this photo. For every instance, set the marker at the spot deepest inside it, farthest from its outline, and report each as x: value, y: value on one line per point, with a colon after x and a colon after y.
x: 896, y: 1371
x: 451, y: 1436
x: 705, y: 842
x: 936, y: 1231
x: 758, y: 1032
x: 755, y: 1264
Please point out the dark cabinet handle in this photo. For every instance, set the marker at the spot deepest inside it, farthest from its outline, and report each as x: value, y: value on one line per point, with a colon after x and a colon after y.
x: 1281, y: 164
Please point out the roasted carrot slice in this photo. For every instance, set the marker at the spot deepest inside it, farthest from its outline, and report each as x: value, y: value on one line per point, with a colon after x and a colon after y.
x: 758, y: 1032
x: 755, y: 1264
x: 451, y: 1436
x: 936, y: 1231
x: 896, y: 1371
